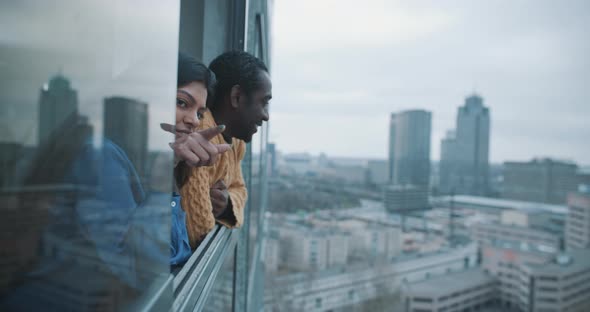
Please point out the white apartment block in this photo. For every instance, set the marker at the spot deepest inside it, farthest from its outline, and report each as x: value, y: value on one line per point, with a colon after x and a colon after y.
x: 341, y: 287
x: 305, y: 248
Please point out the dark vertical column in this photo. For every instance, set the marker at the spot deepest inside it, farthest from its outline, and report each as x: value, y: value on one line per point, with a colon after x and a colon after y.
x: 237, y: 20
x: 192, y: 27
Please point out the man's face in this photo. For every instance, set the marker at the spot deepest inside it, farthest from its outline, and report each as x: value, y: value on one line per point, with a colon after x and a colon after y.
x: 254, y: 109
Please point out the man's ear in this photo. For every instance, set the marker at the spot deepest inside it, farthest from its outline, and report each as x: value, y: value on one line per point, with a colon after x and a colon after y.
x: 234, y: 95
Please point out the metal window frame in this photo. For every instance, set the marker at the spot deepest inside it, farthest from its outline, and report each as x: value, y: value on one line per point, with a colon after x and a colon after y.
x: 192, y: 284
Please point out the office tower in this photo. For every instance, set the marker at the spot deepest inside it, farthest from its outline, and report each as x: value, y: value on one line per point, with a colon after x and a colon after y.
x: 409, y: 147
x: 577, y: 226
x: 57, y: 102
x: 464, y: 164
x: 126, y: 124
x: 539, y: 180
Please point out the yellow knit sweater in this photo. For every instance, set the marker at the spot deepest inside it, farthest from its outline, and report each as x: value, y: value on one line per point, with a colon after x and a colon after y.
x: 195, y: 198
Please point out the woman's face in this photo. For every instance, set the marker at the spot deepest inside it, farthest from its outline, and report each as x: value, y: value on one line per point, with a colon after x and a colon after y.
x: 190, y: 106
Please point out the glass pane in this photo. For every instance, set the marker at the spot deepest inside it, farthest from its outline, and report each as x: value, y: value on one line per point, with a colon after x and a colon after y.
x: 86, y: 169
x: 221, y: 295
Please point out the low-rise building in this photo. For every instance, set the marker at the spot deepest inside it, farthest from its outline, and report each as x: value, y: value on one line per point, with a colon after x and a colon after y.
x: 405, y: 198
x: 533, y: 280
x: 307, y: 248
x: 470, y: 289
x: 337, y: 288
x: 519, y: 227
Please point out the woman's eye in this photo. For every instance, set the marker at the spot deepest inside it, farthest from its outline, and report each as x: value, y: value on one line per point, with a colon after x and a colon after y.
x: 180, y: 103
x: 200, y: 115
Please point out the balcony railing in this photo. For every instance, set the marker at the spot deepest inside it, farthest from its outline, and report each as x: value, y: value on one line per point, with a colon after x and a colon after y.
x: 191, y: 284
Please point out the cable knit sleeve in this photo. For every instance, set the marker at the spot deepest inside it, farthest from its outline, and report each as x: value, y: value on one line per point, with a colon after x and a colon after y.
x: 197, y: 205
x: 237, y: 189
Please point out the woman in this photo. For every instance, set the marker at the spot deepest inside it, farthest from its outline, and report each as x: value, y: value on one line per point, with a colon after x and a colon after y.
x: 191, y: 148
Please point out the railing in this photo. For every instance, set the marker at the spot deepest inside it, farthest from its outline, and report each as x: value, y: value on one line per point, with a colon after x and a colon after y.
x: 191, y: 284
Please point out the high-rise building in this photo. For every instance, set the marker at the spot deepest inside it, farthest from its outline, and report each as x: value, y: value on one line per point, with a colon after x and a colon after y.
x: 577, y: 226
x: 540, y: 180
x: 57, y: 102
x: 409, y: 147
x: 464, y: 159
x: 126, y: 124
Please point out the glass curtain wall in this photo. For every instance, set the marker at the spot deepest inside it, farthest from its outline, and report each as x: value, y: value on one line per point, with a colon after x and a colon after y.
x: 86, y: 170
x: 86, y: 183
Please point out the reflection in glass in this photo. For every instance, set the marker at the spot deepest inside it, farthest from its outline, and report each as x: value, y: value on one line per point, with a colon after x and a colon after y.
x: 85, y: 183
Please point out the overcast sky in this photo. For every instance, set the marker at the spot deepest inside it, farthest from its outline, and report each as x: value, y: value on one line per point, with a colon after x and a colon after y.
x: 341, y: 67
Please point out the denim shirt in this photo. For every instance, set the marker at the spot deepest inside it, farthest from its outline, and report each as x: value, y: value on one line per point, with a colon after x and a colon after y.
x: 180, y: 248
x: 126, y: 228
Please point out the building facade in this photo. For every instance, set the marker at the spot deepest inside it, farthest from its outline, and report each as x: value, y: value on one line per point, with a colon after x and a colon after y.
x: 577, y: 233
x: 405, y: 198
x: 409, y: 147
x: 339, y: 288
x: 534, y: 280
x: 476, y: 290
x: 464, y: 159
x: 539, y: 180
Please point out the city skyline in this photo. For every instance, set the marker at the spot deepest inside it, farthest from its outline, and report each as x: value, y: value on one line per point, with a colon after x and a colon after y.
x: 527, y: 59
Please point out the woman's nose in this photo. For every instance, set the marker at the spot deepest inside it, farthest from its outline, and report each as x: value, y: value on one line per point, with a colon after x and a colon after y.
x: 191, y: 120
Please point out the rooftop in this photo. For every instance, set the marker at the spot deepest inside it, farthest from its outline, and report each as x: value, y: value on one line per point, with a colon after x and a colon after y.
x: 447, y: 284
x: 506, y: 204
x: 572, y: 261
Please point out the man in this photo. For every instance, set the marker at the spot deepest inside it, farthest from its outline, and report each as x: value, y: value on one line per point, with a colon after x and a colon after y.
x: 241, y: 98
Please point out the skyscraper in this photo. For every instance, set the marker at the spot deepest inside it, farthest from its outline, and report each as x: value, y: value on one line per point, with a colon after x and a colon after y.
x: 409, y: 148
x: 57, y: 102
x: 464, y: 160
x: 126, y: 124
